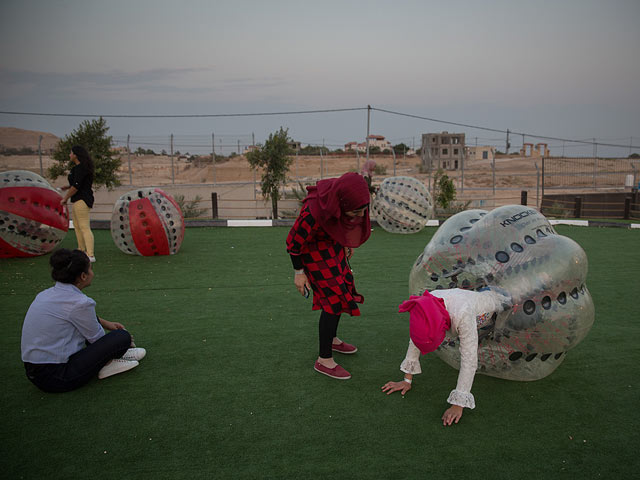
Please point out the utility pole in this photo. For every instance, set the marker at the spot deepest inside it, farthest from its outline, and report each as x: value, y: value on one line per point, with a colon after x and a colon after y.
x: 129, y: 160
x: 507, y: 145
x: 368, y: 125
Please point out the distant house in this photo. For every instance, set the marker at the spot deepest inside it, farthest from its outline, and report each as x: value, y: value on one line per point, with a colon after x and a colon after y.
x: 374, y: 141
x: 295, y: 146
x: 443, y: 150
x: 380, y: 142
x: 480, y: 152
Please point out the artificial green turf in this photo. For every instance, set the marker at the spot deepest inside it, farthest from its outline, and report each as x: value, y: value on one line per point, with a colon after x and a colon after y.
x: 227, y: 389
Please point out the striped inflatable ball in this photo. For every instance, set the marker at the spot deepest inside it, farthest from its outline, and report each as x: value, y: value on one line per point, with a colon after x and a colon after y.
x: 147, y: 222
x: 32, y: 221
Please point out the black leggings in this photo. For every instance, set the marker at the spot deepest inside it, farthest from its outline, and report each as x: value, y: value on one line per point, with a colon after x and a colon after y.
x: 327, y: 329
x: 81, y: 367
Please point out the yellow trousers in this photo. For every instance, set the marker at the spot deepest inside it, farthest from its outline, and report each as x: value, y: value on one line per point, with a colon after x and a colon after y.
x: 84, y: 235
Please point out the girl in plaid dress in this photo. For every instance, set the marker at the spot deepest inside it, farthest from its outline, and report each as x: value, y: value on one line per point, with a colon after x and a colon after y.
x: 334, y: 219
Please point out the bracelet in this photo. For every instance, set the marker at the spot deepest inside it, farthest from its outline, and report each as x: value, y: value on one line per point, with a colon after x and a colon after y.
x: 408, y: 380
x: 299, y: 272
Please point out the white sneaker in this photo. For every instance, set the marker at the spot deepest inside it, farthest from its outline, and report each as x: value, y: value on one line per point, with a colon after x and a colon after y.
x: 117, y: 365
x: 134, y: 354
x: 92, y: 259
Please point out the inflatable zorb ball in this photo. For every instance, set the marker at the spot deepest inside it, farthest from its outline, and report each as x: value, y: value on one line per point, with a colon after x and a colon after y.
x: 402, y: 205
x: 32, y: 221
x: 147, y: 222
x: 516, y: 250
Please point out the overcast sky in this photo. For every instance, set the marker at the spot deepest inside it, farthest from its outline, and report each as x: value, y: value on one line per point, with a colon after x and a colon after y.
x: 561, y: 68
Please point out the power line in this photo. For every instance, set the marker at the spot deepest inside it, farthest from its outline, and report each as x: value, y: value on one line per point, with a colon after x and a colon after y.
x: 196, y: 115
x: 512, y: 132
x: 335, y: 110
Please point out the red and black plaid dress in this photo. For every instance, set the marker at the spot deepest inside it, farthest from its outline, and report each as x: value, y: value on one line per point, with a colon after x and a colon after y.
x: 325, y: 265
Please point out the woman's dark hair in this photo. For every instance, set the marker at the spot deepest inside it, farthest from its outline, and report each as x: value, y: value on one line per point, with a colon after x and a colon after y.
x: 67, y: 265
x: 84, y: 158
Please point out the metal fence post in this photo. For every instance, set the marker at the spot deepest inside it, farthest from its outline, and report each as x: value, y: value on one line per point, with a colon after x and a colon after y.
x: 173, y: 180
x: 577, y: 207
x: 493, y: 167
x: 542, y: 180
x: 627, y: 208
x: 537, y: 186
x: 394, y: 161
x: 214, y: 205
x: 213, y: 156
x: 129, y: 160
x: 462, y: 173
x: 40, y: 155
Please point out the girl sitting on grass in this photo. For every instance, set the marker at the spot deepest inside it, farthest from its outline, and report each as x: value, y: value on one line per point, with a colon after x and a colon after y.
x: 61, y: 321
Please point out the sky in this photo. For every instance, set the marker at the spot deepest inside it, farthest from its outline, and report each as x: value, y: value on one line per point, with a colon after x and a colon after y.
x: 568, y: 69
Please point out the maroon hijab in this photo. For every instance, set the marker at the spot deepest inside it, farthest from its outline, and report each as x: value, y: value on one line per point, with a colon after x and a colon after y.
x: 330, y: 199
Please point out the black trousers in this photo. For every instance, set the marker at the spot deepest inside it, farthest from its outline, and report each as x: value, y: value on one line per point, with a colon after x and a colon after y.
x: 327, y: 329
x: 81, y: 367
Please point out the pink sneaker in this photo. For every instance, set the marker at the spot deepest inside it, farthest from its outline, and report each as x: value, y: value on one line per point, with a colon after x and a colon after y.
x: 336, y: 372
x: 345, y: 348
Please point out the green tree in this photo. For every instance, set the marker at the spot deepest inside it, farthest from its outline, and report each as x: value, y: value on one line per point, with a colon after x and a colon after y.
x: 314, y: 150
x: 274, y: 160
x: 445, y: 192
x: 92, y: 135
x: 400, y: 148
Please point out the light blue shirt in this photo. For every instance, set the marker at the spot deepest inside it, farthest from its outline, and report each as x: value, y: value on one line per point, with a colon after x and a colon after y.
x: 57, y: 324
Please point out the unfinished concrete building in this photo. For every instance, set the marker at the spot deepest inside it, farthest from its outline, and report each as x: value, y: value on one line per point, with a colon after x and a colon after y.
x: 443, y: 150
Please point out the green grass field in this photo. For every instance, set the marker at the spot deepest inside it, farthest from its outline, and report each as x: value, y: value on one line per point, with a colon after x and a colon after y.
x: 228, y: 390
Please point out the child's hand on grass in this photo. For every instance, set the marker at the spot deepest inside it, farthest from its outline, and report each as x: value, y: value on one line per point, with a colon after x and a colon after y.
x: 390, y: 387
x: 452, y: 414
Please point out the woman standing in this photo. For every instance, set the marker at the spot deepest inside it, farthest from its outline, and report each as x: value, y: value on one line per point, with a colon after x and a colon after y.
x: 81, y: 194
x: 63, y: 341
x: 334, y: 219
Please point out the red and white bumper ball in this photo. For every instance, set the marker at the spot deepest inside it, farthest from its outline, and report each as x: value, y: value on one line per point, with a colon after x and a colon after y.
x: 147, y: 222
x: 32, y: 221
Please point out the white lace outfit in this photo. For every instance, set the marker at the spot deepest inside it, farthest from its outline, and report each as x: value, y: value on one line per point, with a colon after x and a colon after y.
x: 463, y: 307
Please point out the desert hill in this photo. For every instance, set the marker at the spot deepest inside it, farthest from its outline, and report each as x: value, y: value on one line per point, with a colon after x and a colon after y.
x: 18, y: 138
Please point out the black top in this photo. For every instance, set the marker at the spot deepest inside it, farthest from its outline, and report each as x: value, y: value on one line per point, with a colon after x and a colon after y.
x: 80, y: 178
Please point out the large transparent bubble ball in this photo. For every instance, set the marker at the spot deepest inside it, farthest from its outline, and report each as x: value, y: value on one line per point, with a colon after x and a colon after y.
x: 402, y: 205
x: 516, y: 249
x: 32, y: 221
x: 147, y: 222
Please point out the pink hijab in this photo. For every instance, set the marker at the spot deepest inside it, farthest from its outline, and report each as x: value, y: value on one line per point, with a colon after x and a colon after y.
x: 328, y: 201
x: 428, y: 322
